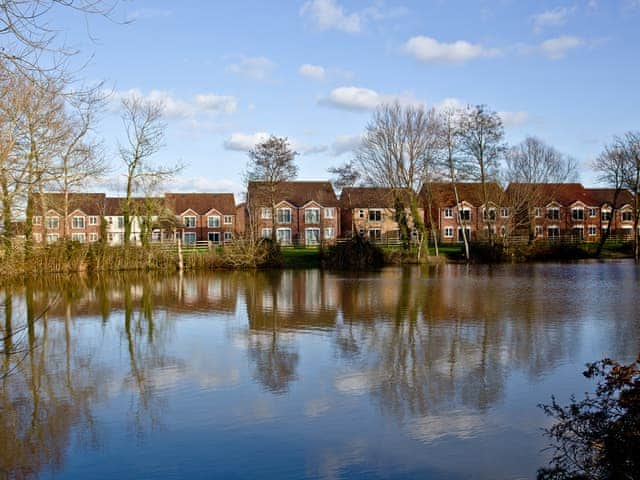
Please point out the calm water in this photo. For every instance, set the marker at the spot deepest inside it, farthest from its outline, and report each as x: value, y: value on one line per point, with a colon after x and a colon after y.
x: 405, y: 373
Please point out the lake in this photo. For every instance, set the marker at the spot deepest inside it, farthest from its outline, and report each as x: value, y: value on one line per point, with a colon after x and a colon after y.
x: 431, y: 372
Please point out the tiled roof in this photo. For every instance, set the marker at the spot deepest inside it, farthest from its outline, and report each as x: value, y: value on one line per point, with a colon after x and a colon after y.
x: 371, y: 197
x: 298, y: 193
x: 563, y: 193
x: 603, y: 196
x: 89, y: 203
x: 113, y: 205
x: 201, y: 203
x: 443, y: 195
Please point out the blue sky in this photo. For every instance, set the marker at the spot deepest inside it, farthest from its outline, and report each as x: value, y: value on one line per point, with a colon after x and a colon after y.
x: 231, y: 72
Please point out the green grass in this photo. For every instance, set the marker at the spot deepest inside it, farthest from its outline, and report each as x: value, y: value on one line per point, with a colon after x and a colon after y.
x: 301, y: 257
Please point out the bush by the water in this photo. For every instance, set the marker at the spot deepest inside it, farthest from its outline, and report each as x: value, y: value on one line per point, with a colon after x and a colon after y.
x: 356, y: 254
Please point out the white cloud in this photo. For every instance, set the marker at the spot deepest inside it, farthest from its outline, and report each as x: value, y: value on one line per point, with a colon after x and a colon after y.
x: 514, y: 119
x: 430, y: 50
x: 315, y: 72
x: 178, y: 108
x: 362, y: 99
x: 256, y: 68
x: 329, y: 14
x: 557, y: 48
x: 145, y: 13
x: 345, y: 144
x: 243, y: 142
x: 550, y: 18
x: 450, y: 103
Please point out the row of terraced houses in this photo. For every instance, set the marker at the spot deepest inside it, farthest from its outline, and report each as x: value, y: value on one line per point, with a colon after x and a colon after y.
x: 310, y: 213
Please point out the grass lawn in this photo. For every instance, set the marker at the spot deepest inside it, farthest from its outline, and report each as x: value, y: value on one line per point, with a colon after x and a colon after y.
x: 301, y: 257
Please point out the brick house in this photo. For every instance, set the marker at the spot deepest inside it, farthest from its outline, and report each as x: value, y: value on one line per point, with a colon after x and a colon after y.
x: 305, y: 212
x: 82, y: 222
x: 371, y: 211
x: 469, y: 213
x: 203, y: 216
x: 622, y: 220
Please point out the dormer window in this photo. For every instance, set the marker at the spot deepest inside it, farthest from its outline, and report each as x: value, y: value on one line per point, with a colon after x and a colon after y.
x: 189, y: 221
x: 577, y: 213
x: 553, y: 213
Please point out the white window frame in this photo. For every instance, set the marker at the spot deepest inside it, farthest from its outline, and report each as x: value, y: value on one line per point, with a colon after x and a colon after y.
x: 265, y: 233
x: 593, y: 212
x: 593, y: 230
x: 37, y: 237
x: 361, y: 213
x: 377, y: 211
x: 191, y: 238
x: 553, y: 209
x: 329, y: 233
x: 186, y: 220
x: 265, y: 213
x: 52, y: 220
x: 228, y: 219
x: 306, y: 236
x: 307, y: 214
x: 329, y: 212
x: 539, y: 231
x: 78, y: 237
x: 228, y: 236
x: 504, y: 212
x: 280, y: 216
x: 553, y: 227
x: 464, y: 210
x: 37, y: 220
x: 574, y: 215
x: 448, y: 232
x: 93, y: 237
x: 279, y: 236
x: 448, y: 213
x: 77, y: 223
x: 93, y: 220
x: 626, y: 212
x: 376, y: 236
x: 211, y: 221
x: 537, y: 212
x: 52, y: 238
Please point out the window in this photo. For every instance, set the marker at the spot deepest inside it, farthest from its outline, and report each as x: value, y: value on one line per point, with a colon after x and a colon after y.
x: 553, y: 232
x: 312, y: 215
x: 329, y: 233
x: 490, y: 216
x: 265, y: 213
x: 37, y: 237
x: 375, y: 234
x: 361, y: 213
x: 189, y: 237
x: 37, y: 220
x: 578, y: 232
x: 329, y: 212
x: 312, y: 236
x: 265, y: 233
x: 228, y: 219
x: 538, y: 230
x: 448, y: 213
x: 228, y: 236
x: 467, y: 233
x: 284, y: 215
x: 504, y: 212
x: 77, y: 222
x: 213, y: 221
x: 120, y: 221
x: 93, y: 237
x: 537, y: 212
x: 593, y: 231
x: 593, y: 212
x: 77, y: 237
x: 553, y: 213
x: 577, y: 213
x: 375, y: 215
x: 465, y: 214
x: 52, y: 238
x: 627, y: 216
x: 448, y: 232
x: 93, y: 220
x: 606, y: 215
x: 283, y: 235
x: 214, y: 237
x: 189, y: 221
x: 53, y: 223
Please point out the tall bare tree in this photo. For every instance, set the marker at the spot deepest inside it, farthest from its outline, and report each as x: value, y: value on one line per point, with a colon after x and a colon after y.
x: 345, y: 175
x: 629, y: 147
x: 530, y: 167
x: 144, y: 131
x: 271, y: 163
x: 481, y: 135
x: 397, y: 150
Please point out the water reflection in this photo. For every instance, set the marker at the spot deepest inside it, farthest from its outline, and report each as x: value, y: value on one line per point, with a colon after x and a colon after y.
x: 435, y: 350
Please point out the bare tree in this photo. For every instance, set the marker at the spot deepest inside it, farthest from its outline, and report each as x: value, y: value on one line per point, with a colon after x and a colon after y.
x: 530, y: 168
x: 610, y: 166
x: 398, y: 148
x: 144, y: 129
x: 345, y: 175
x: 629, y: 146
x: 481, y: 135
x: 271, y: 163
x: 451, y: 162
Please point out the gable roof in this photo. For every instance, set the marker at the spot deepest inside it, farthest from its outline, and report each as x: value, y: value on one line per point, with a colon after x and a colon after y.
x: 297, y: 193
x: 200, y: 203
x: 603, y: 196
x: 443, y: 195
x: 89, y: 203
x: 563, y: 193
x: 372, y: 197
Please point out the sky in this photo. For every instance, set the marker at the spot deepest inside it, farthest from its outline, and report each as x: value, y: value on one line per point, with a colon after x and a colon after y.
x: 232, y: 72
